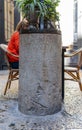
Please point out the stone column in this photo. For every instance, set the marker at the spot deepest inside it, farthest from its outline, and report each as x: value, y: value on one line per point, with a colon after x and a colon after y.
x: 40, y: 87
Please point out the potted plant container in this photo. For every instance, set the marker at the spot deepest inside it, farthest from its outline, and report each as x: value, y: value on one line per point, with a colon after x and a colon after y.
x: 40, y: 86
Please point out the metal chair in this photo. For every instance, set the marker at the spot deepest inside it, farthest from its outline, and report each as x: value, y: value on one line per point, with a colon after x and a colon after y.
x: 13, y: 73
x: 74, y: 72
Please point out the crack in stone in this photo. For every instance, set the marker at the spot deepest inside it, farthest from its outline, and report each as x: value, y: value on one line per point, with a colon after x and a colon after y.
x: 39, y: 104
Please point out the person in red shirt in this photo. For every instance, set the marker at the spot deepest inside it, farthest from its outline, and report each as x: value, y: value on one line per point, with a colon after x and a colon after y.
x: 13, y: 45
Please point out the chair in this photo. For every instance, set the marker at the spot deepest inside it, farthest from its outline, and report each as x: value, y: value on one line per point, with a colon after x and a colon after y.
x: 74, y: 72
x: 13, y: 73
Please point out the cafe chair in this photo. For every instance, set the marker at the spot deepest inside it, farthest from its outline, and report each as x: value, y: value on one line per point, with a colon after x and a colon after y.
x: 74, y: 72
x: 13, y: 73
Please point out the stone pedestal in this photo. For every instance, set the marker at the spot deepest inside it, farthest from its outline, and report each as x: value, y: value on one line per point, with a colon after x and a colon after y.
x: 40, y: 86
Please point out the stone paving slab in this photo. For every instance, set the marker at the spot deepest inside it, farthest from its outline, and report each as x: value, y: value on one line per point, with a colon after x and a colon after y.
x: 69, y: 118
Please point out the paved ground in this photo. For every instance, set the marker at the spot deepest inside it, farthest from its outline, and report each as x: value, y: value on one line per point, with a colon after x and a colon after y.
x: 69, y: 118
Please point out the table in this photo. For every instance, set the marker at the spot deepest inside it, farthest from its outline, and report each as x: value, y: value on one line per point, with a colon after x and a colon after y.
x: 63, y: 51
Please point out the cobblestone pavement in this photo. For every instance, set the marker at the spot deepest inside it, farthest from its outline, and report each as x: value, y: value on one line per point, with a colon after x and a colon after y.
x: 69, y: 118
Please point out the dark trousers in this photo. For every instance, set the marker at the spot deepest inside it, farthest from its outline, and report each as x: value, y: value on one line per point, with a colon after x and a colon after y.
x: 14, y: 65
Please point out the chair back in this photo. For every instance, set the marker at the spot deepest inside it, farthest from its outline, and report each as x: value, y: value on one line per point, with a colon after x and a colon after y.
x: 78, y: 53
x: 80, y: 60
x: 4, y: 48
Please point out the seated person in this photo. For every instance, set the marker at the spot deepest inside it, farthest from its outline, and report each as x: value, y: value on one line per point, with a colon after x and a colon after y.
x: 13, y: 45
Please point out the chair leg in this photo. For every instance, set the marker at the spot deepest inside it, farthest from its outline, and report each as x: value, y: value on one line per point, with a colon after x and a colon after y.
x: 8, y: 83
x: 10, y: 79
x: 12, y: 76
x: 74, y: 76
x: 78, y: 76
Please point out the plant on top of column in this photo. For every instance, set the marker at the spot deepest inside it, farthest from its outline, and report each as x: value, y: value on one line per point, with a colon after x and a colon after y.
x: 41, y: 14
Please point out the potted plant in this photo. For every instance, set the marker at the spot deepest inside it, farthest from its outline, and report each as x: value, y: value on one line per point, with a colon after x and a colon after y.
x: 40, y: 58
x: 40, y: 12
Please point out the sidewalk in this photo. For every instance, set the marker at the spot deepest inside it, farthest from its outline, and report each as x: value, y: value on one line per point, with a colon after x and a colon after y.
x: 69, y: 118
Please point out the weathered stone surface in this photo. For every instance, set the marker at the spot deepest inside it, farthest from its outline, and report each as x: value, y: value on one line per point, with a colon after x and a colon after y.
x: 40, y: 74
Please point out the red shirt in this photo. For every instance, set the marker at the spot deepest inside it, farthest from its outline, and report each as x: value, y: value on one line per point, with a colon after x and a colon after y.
x: 13, y: 47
